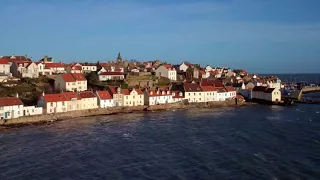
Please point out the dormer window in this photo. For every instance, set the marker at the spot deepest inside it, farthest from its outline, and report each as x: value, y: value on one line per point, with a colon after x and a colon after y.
x: 173, y: 94
x: 162, y: 92
x: 157, y: 92
x: 151, y: 93
x: 180, y: 93
x: 168, y: 92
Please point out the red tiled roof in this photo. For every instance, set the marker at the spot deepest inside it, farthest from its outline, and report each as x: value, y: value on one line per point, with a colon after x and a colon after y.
x: 202, y: 72
x: 229, y: 88
x: 192, y: 87
x: 221, y: 89
x: 68, y: 78
x: 113, y: 89
x: 208, y: 88
x: 78, y: 76
x: 168, y: 66
x: 54, y: 98
x: 17, y: 58
x: 87, y: 94
x: 112, y: 73
x: 259, y: 88
x: 10, y: 101
x: 139, y: 91
x: 215, y: 83
x: 4, y: 61
x: 54, y: 65
x: 104, y: 95
x: 125, y: 91
x: 76, y: 67
x: 70, y: 95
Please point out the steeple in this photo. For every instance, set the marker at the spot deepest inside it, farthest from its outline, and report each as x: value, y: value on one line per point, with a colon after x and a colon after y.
x: 119, y: 59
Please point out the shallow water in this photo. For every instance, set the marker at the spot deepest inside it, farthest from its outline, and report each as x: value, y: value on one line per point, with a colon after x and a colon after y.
x: 253, y: 142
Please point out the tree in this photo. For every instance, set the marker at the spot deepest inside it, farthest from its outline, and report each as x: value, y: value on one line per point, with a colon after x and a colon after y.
x: 92, y: 77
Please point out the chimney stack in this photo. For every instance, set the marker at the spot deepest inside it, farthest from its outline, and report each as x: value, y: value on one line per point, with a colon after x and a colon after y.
x: 17, y: 95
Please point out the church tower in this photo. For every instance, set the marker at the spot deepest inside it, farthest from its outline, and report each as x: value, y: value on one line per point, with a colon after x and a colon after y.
x: 119, y: 59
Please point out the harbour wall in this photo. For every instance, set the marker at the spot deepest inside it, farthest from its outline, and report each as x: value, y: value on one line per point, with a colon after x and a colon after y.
x: 45, y: 118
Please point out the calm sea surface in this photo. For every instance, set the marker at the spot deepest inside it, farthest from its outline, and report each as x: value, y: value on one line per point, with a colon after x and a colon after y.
x: 252, y: 142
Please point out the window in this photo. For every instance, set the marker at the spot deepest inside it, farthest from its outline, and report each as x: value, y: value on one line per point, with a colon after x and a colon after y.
x: 1, y: 108
x: 62, y: 103
x: 194, y: 93
x: 189, y: 94
x: 127, y: 103
x: 119, y: 96
x: 199, y: 99
x: 133, y: 97
x: 140, y: 96
x: 199, y: 93
x: 51, y: 104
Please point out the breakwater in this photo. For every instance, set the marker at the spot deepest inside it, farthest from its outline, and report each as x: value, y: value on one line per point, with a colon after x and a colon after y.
x: 45, y: 118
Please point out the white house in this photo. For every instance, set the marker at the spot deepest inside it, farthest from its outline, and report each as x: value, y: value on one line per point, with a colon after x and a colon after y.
x: 25, y: 69
x: 231, y: 92
x: 4, y: 67
x: 55, y: 68
x: 184, y: 66
x: 193, y: 92
x: 208, y: 68
x: 222, y: 94
x: 88, y: 100
x: 71, y: 82
x: 104, y: 99
x: 31, y: 110
x: 104, y: 76
x: 167, y: 71
x: 10, y: 107
x: 76, y: 68
x: 155, y: 97
x: 87, y: 68
x: 53, y: 103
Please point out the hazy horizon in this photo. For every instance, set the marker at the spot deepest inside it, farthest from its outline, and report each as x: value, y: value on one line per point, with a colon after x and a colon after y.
x: 275, y: 36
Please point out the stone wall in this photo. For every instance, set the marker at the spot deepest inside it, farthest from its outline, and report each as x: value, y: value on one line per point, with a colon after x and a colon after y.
x: 114, y: 110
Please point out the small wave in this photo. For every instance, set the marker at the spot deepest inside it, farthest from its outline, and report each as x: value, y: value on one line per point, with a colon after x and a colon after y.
x: 317, y: 112
x: 126, y: 135
x: 260, y: 156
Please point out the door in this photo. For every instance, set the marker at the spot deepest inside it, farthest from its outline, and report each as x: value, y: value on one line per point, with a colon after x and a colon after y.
x: 117, y: 104
x: 5, y: 115
x: 133, y: 103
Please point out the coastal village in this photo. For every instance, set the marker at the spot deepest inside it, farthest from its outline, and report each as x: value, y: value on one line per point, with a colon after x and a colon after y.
x: 29, y: 88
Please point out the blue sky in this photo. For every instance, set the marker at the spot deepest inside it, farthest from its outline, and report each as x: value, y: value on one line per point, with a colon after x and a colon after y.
x: 262, y: 36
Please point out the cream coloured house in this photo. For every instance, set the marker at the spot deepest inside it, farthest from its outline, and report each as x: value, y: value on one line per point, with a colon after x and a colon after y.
x: 71, y: 82
x: 88, y: 100
x: 117, y: 94
x: 132, y: 97
x: 167, y: 71
x: 194, y: 92
x: 265, y: 93
x: 210, y: 93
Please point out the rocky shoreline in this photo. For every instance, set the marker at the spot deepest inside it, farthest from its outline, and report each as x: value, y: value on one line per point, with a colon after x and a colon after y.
x: 49, y: 118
